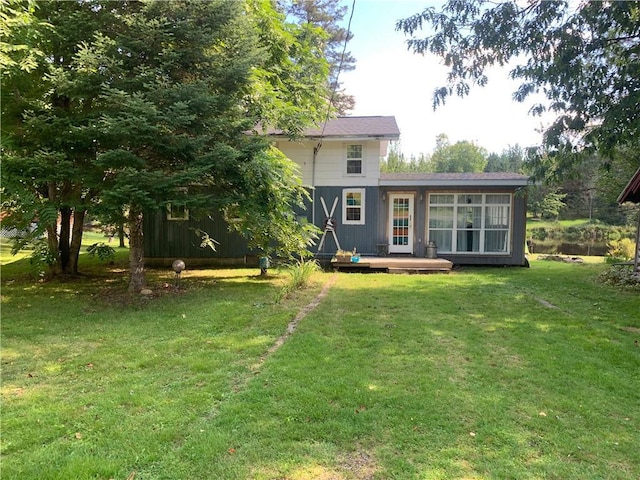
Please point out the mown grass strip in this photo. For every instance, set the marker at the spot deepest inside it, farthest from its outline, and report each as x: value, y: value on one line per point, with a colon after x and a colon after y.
x: 466, y: 375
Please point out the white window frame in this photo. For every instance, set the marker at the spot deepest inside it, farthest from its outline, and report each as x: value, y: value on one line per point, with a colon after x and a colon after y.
x: 483, y: 229
x: 172, y: 217
x: 345, y: 206
x: 347, y: 160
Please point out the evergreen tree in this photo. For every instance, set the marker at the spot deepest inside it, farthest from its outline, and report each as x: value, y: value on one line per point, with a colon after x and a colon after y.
x: 144, y: 104
x: 326, y: 14
x: 512, y: 159
x: 50, y: 113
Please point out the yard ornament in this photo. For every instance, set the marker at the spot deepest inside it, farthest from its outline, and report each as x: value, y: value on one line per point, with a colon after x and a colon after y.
x: 329, y: 223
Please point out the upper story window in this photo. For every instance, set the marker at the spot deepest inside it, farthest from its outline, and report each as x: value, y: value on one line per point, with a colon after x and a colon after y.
x: 353, y: 206
x: 354, y: 159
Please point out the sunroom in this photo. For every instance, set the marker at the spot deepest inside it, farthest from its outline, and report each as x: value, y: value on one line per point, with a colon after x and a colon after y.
x: 473, y: 218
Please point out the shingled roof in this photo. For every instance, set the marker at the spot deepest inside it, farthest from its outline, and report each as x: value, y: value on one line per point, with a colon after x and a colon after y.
x: 454, y: 179
x: 631, y: 192
x: 379, y: 127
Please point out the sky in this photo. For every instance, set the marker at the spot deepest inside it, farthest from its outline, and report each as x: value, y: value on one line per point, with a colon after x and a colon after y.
x: 389, y: 80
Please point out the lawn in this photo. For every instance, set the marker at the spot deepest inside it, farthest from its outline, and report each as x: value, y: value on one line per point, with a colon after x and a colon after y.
x: 6, y: 257
x: 479, y: 374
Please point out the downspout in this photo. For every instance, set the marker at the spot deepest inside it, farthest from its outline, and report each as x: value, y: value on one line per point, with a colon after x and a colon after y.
x: 316, y: 149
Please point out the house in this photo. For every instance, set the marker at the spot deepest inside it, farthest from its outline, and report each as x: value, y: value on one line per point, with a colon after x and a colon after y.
x: 631, y: 193
x: 473, y: 218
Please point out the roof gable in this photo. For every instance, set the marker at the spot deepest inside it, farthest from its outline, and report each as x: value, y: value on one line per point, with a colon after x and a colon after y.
x: 631, y: 192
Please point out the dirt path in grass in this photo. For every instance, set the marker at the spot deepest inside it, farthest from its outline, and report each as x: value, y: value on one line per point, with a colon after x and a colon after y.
x: 293, y: 324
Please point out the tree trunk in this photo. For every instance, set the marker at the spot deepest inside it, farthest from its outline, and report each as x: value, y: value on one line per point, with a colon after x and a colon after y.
x: 52, y: 241
x: 76, y: 240
x: 136, y: 251
x: 64, y: 238
x: 121, y: 235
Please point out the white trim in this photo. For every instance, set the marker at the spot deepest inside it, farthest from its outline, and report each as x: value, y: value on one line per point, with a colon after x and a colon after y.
x: 408, y: 247
x: 362, y: 171
x: 455, y: 229
x: 347, y: 191
x: 184, y: 216
x: 454, y: 183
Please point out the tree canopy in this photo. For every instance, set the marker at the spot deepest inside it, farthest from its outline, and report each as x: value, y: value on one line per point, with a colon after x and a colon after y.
x: 462, y: 156
x: 137, y: 105
x: 325, y: 14
x: 583, y: 57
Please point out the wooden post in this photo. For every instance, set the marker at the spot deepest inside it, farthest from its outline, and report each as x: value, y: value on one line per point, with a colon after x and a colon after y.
x: 636, y: 262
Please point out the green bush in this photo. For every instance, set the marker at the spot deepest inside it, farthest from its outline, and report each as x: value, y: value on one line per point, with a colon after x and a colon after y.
x: 580, y: 233
x: 299, y: 274
x: 621, y: 250
x: 41, y: 258
x: 620, y: 276
x: 102, y: 250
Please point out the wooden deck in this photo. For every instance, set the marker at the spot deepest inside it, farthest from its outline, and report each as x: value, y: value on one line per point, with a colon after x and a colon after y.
x: 395, y: 265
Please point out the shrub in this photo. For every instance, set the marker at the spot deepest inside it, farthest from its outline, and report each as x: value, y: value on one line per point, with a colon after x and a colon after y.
x: 41, y: 258
x: 621, y: 250
x: 102, y: 250
x: 299, y: 274
x: 620, y: 276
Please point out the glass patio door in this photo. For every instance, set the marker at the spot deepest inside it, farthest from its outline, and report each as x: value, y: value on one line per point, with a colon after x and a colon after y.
x: 400, y: 223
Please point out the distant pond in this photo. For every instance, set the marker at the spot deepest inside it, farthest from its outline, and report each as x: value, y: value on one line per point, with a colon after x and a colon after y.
x: 593, y: 248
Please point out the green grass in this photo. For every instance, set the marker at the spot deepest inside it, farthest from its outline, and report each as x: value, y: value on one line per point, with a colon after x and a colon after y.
x: 480, y: 374
x: 578, y: 222
x: 88, y: 238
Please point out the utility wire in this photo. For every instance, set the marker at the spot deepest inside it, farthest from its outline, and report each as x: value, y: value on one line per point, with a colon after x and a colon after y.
x: 335, y: 85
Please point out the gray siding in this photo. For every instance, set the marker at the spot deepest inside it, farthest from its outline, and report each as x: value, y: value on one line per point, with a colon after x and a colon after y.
x: 166, y: 240
x: 518, y: 240
x: 171, y: 239
x: 518, y: 219
x: 363, y: 237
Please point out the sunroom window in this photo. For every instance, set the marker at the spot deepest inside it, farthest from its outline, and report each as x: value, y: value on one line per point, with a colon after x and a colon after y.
x: 470, y: 223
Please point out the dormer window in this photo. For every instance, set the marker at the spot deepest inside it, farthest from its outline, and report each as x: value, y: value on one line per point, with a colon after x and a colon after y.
x: 354, y: 159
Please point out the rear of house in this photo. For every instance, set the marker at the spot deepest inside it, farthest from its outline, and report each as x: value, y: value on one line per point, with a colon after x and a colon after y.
x: 472, y: 218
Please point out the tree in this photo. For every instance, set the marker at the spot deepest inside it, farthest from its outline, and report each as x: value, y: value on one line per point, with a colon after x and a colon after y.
x: 269, y: 212
x: 139, y: 105
x: 18, y: 23
x: 397, y: 163
x: 462, y: 156
x: 290, y: 88
x: 190, y: 88
x: 544, y: 201
x: 512, y: 159
x: 326, y: 14
x: 49, y: 112
x: 582, y: 57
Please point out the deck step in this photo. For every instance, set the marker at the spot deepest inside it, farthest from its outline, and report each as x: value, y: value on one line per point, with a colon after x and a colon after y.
x: 397, y: 265
x: 418, y: 270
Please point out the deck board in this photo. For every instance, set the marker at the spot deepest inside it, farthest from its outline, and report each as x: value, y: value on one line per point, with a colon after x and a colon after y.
x: 396, y: 265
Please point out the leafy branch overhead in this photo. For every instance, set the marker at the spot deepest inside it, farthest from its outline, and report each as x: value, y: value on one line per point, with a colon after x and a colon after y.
x: 583, y: 57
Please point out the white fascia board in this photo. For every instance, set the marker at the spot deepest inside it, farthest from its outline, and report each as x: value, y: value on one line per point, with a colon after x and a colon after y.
x: 453, y: 183
x: 360, y: 138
